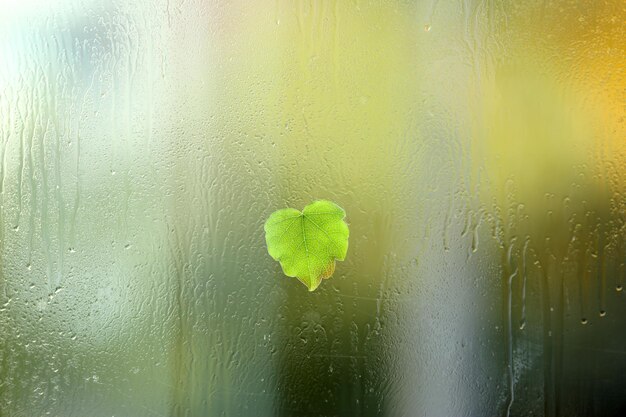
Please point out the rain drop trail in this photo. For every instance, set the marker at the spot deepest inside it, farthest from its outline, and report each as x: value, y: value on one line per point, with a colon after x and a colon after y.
x: 60, y: 204
x: 45, y: 233
x: 4, y: 135
x: 524, y: 278
x: 76, y: 192
x: 21, y: 167
x: 510, y: 276
x: 469, y: 219
x: 548, y: 354
x: 602, y: 274
x: 621, y: 271
x: 428, y: 24
x: 446, y: 226
x: 583, y: 275
x: 33, y: 184
x: 475, y: 233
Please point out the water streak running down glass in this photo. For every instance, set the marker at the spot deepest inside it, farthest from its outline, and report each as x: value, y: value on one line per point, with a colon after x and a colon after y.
x: 477, y: 148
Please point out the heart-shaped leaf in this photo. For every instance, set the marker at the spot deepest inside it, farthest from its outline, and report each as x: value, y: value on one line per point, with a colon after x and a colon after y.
x: 307, y: 243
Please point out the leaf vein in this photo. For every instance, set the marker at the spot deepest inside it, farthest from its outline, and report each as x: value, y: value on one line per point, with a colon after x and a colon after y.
x: 287, y: 229
x: 324, y: 231
x: 306, y: 249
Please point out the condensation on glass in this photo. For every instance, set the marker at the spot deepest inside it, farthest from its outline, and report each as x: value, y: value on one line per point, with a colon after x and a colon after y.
x: 477, y: 148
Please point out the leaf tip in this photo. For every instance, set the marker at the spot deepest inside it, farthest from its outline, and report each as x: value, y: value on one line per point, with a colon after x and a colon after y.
x: 313, y: 285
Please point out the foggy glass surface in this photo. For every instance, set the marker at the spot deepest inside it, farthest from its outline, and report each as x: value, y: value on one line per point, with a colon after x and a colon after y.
x: 478, y: 149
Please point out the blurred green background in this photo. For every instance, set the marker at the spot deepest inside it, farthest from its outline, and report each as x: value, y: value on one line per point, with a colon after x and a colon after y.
x: 477, y: 148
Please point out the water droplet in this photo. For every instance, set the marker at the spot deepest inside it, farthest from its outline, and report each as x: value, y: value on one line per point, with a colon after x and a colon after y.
x: 522, y: 325
x: 618, y: 288
x: 584, y: 321
x: 602, y: 313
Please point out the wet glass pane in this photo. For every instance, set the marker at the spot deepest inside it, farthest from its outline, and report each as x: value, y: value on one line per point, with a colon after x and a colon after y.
x: 477, y: 148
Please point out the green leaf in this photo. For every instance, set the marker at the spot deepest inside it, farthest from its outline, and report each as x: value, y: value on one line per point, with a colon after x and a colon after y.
x: 307, y: 243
